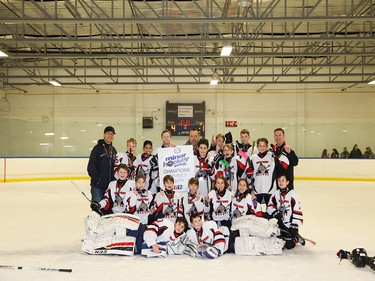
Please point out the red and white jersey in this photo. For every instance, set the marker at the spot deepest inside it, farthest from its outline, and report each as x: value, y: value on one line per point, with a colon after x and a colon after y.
x: 143, y: 204
x: 202, y: 173
x: 190, y: 204
x: 288, y: 204
x: 220, y: 205
x: 142, y: 166
x: 161, y: 230
x: 228, y: 170
x: 127, y: 159
x: 244, y: 205
x: 209, y: 234
x: 116, y: 197
x: 262, y: 167
x: 167, y: 204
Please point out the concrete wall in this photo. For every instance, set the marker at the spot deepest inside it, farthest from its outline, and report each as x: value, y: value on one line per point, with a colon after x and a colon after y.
x: 26, y: 169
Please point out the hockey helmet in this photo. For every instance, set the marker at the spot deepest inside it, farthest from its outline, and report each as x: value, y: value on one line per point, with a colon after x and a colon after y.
x: 359, y: 257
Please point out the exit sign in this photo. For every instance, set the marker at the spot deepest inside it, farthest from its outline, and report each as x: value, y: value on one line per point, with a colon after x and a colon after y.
x: 231, y: 123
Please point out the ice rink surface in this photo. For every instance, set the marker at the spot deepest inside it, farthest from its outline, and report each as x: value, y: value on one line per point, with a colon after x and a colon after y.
x: 42, y: 226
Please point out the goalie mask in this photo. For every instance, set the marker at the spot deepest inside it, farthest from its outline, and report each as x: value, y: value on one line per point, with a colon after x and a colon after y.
x: 359, y: 257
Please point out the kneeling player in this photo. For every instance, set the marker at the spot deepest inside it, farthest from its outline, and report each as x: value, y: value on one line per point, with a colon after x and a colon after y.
x: 205, y: 239
x: 164, y: 237
x: 285, y: 207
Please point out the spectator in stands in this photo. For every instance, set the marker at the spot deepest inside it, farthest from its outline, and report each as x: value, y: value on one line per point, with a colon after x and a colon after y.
x: 335, y: 153
x: 345, y: 153
x: 324, y: 154
x: 368, y: 153
x: 356, y: 152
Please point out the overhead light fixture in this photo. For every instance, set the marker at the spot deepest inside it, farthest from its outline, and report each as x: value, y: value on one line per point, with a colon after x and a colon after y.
x: 371, y: 82
x: 215, y: 79
x: 54, y: 83
x: 227, y: 50
x: 3, y: 54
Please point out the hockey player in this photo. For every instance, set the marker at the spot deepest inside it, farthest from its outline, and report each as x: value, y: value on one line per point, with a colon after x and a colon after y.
x: 219, y: 202
x: 286, y: 208
x: 228, y: 166
x: 205, y: 239
x: 203, y: 168
x: 143, y: 206
x: 118, y: 198
x: 192, y: 201
x: 243, y: 203
x: 217, y: 145
x: 142, y: 165
x: 245, y: 145
x: 262, y: 171
x: 161, y: 233
x: 127, y: 157
x: 167, y: 201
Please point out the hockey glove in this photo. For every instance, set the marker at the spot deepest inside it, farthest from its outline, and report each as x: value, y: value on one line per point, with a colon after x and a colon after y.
x: 371, y: 263
x: 218, y: 158
x: 154, y: 163
x: 276, y: 151
x: 95, y: 206
x: 228, y: 137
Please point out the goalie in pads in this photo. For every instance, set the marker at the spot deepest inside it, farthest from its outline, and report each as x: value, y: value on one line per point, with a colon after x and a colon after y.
x: 205, y: 240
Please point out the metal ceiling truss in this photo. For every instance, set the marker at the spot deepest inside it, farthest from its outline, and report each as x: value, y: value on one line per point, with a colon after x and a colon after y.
x: 164, y: 42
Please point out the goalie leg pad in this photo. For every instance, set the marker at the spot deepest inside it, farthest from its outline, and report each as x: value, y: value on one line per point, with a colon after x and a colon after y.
x: 208, y: 252
x: 113, y: 245
x: 256, y: 246
x: 255, y: 226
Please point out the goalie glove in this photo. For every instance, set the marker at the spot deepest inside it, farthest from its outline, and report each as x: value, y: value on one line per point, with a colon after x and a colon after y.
x: 154, y: 162
x: 208, y: 252
x: 218, y: 157
x: 228, y: 138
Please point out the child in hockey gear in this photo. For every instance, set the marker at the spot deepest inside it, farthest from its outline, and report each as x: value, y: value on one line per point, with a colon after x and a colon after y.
x: 227, y: 165
x: 127, y: 157
x: 207, y: 234
x: 217, y: 145
x: 285, y: 207
x: 192, y: 201
x: 144, y: 199
x: 203, y: 168
x: 118, y: 197
x: 245, y: 145
x: 142, y: 165
x: 167, y: 201
x: 218, y: 202
x: 262, y: 170
x: 161, y: 233
x: 243, y: 203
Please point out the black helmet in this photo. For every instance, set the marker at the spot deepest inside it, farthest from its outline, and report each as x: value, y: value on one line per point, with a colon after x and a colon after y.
x: 359, y: 257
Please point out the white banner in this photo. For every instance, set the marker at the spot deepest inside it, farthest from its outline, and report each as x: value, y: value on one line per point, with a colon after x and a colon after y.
x: 179, y: 163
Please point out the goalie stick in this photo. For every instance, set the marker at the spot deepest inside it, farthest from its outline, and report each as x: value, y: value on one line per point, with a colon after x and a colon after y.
x: 76, y: 186
x: 35, y: 268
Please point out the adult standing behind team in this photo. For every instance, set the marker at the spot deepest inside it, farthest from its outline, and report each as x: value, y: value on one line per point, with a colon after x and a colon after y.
x: 282, y: 147
x: 101, y: 164
x: 193, y: 139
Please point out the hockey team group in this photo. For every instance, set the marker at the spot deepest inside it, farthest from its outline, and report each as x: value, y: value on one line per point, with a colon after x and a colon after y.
x: 241, y: 200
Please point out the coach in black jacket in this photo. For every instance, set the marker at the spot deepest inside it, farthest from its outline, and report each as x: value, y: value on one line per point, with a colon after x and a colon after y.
x: 101, y: 164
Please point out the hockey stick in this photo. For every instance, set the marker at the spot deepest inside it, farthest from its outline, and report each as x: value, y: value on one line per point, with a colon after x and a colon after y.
x: 301, y: 240
x: 35, y: 268
x: 76, y: 186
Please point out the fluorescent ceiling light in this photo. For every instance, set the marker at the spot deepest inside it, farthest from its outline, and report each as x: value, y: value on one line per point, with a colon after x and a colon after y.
x: 49, y: 134
x: 226, y: 51
x: 99, y: 125
x: 54, y: 83
x: 3, y: 55
x: 64, y: 138
x: 68, y: 146
x: 214, y: 82
x: 371, y: 82
x: 44, y: 143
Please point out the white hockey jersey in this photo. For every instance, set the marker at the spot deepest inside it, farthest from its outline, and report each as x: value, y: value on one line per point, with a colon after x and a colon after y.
x: 202, y: 173
x: 288, y: 204
x: 263, y: 166
x: 189, y: 205
x: 228, y: 170
x: 161, y: 230
x: 244, y: 205
x: 168, y: 205
x: 219, y: 206
x: 142, y: 166
x: 118, y: 197
x: 143, y: 204
x: 209, y: 234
